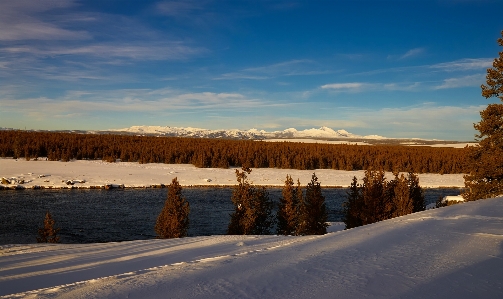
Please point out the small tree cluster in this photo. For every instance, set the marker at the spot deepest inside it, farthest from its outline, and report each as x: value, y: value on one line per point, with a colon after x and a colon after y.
x: 173, y: 221
x: 48, y: 234
x: 252, y: 208
x: 485, y: 179
x: 302, y: 215
x: 377, y: 199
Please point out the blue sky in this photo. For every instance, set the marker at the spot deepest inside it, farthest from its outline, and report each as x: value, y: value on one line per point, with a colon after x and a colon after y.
x: 392, y: 68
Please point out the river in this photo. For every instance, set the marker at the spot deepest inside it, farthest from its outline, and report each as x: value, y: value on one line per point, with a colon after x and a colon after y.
x: 93, y: 216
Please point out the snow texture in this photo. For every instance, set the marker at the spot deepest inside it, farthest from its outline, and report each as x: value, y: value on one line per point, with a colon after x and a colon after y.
x: 98, y: 174
x: 451, y: 252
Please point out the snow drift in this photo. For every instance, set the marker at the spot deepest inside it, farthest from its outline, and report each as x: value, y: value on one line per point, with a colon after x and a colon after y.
x: 452, y: 252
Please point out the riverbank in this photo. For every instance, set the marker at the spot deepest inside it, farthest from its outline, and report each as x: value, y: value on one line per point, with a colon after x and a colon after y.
x: 89, y: 174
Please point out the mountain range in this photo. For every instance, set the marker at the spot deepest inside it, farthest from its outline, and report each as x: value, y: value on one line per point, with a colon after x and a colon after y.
x: 254, y: 134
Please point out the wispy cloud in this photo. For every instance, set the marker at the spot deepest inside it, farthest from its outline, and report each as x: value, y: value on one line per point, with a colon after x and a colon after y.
x: 178, y: 8
x: 402, y: 86
x: 464, y: 64
x: 466, y: 81
x: 353, y: 86
x: 445, y: 122
x: 24, y: 20
x: 361, y: 86
x: 133, y: 100
x: 167, y: 51
x: 412, y: 53
x: 297, y: 67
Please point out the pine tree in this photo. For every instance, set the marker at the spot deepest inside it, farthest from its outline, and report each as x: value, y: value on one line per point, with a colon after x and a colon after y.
x: 402, y: 201
x: 173, y: 221
x: 416, y: 193
x: 353, y: 206
x: 485, y: 179
x: 376, y: 204
x: 48, y: 234
x: 377, y: 199
x: 252, y: 208
x: 287, y: 216
x: 313, y: 213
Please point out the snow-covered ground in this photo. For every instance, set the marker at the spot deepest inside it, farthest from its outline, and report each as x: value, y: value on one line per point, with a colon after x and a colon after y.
x: 451, y: 252
x: 96, y: 173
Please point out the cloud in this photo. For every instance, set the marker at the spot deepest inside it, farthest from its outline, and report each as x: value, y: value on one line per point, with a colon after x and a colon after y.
x: 428, y: 120
x: 464, y: 64
x: 280, y: 67
x: 412, y: 53
x: 166, y: 51
x: 24, y: 20
x: 402, y: 86
x: 360, y: 86
x: 133, y: 100
x: 354, y: 86
x: 466, y: 81
x: 296, y: 67
x: 177, y: 8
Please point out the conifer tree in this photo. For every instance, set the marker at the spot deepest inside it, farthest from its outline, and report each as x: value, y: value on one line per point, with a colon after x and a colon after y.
x: 252, y: 208
x: 485, y: 179
x: 377, y: 199
x: 48, y: 234
x: 353, y: 206
x: 288, y: 209
x: 313, y: 213
x: 376, y: 204
x: 416, y: 193
x: 173, y: 221
x: 402, y: 200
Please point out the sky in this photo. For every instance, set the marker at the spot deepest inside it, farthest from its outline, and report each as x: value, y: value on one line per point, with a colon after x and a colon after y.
x: 392, y: 68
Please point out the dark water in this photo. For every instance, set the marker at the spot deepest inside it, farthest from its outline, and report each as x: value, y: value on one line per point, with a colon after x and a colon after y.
x: 88, y: 216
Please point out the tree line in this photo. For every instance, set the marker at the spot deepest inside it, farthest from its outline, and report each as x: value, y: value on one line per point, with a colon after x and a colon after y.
x: 297, y: 214
x: 301, y: 211
x: 377, y: 199
x: 218, y: 153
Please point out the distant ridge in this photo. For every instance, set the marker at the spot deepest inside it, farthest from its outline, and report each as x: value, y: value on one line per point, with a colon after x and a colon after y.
x: 253, y: 134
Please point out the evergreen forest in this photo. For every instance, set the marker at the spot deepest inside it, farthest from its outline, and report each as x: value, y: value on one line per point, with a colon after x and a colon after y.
x: 222, y: 153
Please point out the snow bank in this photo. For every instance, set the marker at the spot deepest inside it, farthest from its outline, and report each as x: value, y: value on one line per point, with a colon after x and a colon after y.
x: 100, y: 174
x: 452, y: 252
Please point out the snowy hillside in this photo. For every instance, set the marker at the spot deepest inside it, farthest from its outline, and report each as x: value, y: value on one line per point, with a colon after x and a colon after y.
x: 451, y: 252
x: 323, y: 132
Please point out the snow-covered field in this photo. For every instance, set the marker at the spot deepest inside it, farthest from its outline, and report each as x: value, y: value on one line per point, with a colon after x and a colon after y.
x: 86, y: 174
x: 451, y: 252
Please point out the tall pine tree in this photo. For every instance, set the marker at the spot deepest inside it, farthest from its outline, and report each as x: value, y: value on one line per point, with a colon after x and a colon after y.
x: 288, y: 215
x: 402, y: 201
x: 485, y: 179
x: 313, y: 212
x: 353, y: 207
x: 252, y: 208
x: 173, y: 221
x: 416, y: 193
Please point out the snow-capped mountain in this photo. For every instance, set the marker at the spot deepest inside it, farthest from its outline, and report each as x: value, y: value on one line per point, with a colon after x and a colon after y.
x: 323, y: 132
